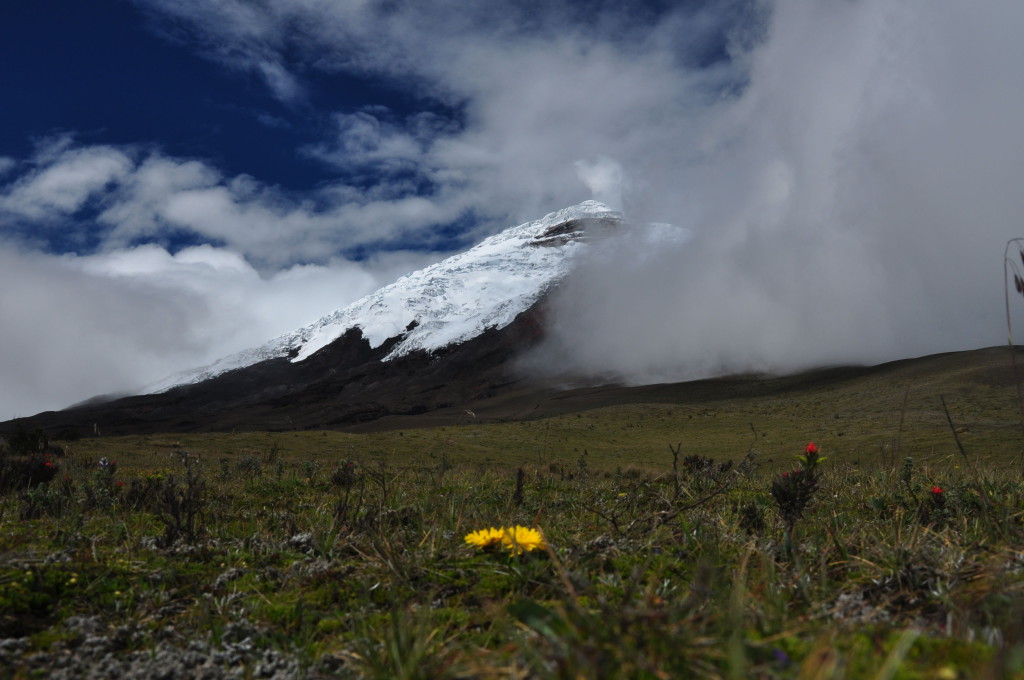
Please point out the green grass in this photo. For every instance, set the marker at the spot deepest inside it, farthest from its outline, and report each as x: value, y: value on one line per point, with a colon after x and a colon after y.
x: 365, y: 573
x: 653, y: 571
x: 869, y: 417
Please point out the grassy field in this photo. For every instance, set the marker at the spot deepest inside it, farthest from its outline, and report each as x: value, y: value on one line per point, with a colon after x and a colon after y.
x: 325, y: 554
x: 870, y: 418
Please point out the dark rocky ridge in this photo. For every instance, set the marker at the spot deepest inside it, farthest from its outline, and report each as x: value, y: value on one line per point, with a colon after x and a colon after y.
x: 578, y: 229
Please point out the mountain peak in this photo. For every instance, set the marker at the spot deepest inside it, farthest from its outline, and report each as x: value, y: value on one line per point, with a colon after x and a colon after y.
x: 448, y: 302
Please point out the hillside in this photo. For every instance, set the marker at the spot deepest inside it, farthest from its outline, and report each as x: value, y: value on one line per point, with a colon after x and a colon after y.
x: 857, y: 413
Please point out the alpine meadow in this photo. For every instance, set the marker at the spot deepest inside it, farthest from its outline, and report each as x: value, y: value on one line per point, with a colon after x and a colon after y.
x: 699, y: 535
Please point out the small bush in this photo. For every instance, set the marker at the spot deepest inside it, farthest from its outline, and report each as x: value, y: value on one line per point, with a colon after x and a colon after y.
x: 794, y: 490
x: 345, y: 475
x: 250, y: 466
x: 181, y: 502
x: 26, y: 472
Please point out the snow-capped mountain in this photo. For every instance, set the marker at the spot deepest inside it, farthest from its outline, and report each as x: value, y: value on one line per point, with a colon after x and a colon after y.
x: 446, y: 303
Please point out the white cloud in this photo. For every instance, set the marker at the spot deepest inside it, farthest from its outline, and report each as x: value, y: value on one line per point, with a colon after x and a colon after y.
x: 240, y: 35
x: 75, y: 327
x: 365, y: 142
x: 282, y: 83
x: 63, y: 187
x: 851, y: 205
x: 137, y: 209
x: 604, y: 178
x: 101, y: 193
x: 68, y: 335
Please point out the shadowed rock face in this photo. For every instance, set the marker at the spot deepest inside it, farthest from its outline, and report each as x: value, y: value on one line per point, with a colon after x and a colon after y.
x: 579, y: 229
x: 345, y: 384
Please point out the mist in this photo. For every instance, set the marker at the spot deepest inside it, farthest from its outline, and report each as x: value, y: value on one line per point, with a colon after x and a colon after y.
x: 113, y: 323
x: 850, y: 206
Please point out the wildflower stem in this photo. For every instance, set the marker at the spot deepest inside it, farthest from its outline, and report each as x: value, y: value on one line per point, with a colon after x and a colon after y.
x: 952, y: 428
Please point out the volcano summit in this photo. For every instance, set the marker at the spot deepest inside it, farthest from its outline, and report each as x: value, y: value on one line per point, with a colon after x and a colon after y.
x: 441, y: 337
x: 447, y: 303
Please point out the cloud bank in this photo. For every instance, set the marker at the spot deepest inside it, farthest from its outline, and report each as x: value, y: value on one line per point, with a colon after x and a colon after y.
x: 76, y: 327
x: 851, y: 205
x: 849, y: 172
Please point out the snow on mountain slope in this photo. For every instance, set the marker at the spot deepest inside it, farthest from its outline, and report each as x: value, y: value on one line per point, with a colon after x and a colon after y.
x: 448, y: 302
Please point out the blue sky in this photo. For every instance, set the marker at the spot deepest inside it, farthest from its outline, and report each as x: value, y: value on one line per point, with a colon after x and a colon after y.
x: 180, y: 179
x: 121, y: 74
x: 98, y: 71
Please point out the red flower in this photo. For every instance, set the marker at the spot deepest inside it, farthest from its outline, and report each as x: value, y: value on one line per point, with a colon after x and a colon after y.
x: 120, y: 483
x: 810, y: 448
x: 936, y: 490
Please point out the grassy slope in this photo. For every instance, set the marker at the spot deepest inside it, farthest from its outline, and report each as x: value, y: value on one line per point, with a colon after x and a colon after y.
x: 860, y: 415
x: 363, y: 573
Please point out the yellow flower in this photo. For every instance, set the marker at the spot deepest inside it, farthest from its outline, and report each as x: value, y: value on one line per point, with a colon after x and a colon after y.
x: 519, y: 539
x: 485, y: 538
x: 516, y: 540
